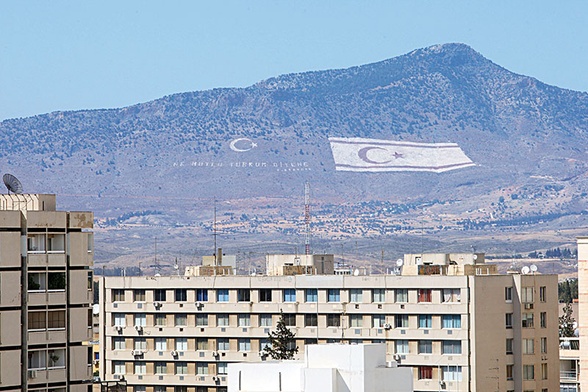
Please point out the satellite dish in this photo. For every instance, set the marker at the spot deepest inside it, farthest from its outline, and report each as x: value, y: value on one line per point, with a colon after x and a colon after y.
x: 399, y: 263
x: 475, y: 256
x: 533, y: 268
x: 525, y: 270
x: 12, y: 183
x: 356, y: 272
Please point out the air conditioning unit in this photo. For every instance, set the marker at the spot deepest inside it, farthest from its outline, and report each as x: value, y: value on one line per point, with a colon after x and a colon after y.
x: 397, y: 358
x: 96, y: 362
x: 157, y: 305
x: 215, y: 354
x: 118, y: 328
x: 199, y: 305
x: 262, y: 354
x: 136, y: 352
x: 174, y: 353
x: 528, y: 306
x: 32, y: 374
x: 139, y: 328
x: 387, y: 326
x: 214, y: 378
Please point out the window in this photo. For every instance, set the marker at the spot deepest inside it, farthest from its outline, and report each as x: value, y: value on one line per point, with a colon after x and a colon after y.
x: 527, y: 320
x: 508, y: 294
x: 543, y: 345
x: 310, y: 320
x: 451, y: 295
x: 56, y: 319
x: 181, y: 367
x: 160, y: 320
x: 334, y: 295
x: 451, y: 373
x: 140, y: 344
x: 401, y: 321
x: 243, y: 295
x: 289, y: 295
x: 160, y: 344
x: 311, y: 295
x: 425, y: 372
x: 425, y: 347
x: 56, y: 281
x: 263, y: 343
x: 159, y: 295
x: 160, y: 368
x: 180, y: 320
x: 140, y: 319
x: 118, y: 295
x: 544, y: 371
x: 528, y: 372
x: 222, y: 320
x: 37, y: 360
x: 508, y: 320
x: 202, y: 295
x: 222, y: 344
x: 401, y: 295
x: 425, y: 321
x: 450, y: 347
x: 36, y: 281
x: 202, y: 320
x: 289, y: 320
x: 181, y: 344
x: 543, y: 319
x: 424, y: 295
x: 119, y: 319
x: 527, y: 295
x: 118, y: 343
x: 402, y: 347
x: 542, y: 291
x: 510, y: 372
x: 222, y: 295
x: 201, y: 368
x: 139, y: 295
x: 265, y: 295
x: 333, y: 320
x: 509, y: 345
x: 140, y: 367
x: 37, y: 321
x: 379, y: 295
x: 221, y: 368
x: 356, y: 295
x: 118, y: 367
x: 378, y: 320
x: 265, y: 320
x: 181, y: 295
x: 244, y: 320
x: 356, y: 320
x: 201, y: 344
x: 451, y: 321
x: 244, y: 345
x: 528, y: 346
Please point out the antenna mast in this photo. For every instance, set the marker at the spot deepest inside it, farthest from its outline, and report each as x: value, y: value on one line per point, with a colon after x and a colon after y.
x: 307, y: 217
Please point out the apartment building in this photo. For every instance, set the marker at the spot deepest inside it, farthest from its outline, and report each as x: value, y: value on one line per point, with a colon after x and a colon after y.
x: 45, y: 295
x: 451, y: 318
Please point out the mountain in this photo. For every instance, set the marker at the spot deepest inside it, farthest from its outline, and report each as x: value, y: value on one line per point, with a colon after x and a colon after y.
x: 526, y: 139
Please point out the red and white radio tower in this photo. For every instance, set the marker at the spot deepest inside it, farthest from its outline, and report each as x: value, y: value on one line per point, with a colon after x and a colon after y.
x: 307, y: 217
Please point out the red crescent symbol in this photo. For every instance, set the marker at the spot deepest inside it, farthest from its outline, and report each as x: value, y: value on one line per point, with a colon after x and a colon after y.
x: 362, y: 153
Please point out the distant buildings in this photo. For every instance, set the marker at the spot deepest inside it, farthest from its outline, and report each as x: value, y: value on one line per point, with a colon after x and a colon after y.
x: 45, y: 295
x: 325, y: 368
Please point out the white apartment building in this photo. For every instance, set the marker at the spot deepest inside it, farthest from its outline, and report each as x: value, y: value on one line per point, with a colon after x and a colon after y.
x: 451, y: 318
x: 45, y: 295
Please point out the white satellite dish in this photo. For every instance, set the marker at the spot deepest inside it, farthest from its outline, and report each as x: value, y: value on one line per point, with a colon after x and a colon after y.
x: 475, y: 256
x: 533, y: 268
x: 525, y: 270
x: 356, y: 272
x: 399, y: 263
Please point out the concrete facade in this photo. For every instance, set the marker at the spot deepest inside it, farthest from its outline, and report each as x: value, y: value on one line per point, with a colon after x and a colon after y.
x: 45, y: 295
x: 326, y: 368
x: 477, y: 331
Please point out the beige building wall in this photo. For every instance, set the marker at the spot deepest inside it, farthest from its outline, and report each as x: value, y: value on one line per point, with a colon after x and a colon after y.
x: 45, y: 295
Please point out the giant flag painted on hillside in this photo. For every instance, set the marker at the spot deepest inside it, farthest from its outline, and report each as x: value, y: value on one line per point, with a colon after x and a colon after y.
x: 376, y: 155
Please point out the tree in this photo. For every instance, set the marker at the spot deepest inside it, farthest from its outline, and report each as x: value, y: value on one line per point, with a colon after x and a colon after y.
x: 282, y: 343
x: 566, y: 322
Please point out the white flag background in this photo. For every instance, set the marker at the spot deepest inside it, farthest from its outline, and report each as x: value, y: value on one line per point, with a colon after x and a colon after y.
x: 375, y: 155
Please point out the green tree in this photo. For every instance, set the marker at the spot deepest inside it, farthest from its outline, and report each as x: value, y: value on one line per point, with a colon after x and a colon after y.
x: 282, y: 343
x: 566, y: 322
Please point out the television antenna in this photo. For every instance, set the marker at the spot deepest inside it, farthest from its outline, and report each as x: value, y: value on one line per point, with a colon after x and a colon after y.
x: 12, y: 184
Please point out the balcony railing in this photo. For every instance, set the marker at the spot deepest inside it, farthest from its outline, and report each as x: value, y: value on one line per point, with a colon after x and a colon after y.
x: 569, y: 343
x: 568, y: 375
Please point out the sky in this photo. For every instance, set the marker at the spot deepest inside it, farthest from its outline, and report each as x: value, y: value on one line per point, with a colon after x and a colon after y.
x: 71, y: 55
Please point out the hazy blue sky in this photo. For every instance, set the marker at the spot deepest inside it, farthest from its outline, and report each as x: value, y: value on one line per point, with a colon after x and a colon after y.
x: 64, y: 55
